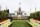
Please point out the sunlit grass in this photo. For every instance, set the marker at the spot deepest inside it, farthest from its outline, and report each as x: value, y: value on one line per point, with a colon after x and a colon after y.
x: 20, y: 23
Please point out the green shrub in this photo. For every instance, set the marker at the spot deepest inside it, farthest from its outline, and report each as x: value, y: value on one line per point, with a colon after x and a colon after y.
x: 4, y: 15
x: 32, y: 15
x: 35, y: 15
x: 11, y: 18
x: 29, y: 17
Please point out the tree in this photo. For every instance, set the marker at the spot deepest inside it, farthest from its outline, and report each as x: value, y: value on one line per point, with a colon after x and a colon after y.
x: 0, y: 15
x: 32, y: 15
x: 4, y: 15
x: 37, y: 14
x: 7, y: 15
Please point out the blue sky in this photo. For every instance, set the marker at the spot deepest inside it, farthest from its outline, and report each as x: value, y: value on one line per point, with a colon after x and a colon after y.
x: 13, y: 5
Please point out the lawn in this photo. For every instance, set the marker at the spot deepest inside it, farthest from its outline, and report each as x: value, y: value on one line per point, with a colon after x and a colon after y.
x: 20, y: 23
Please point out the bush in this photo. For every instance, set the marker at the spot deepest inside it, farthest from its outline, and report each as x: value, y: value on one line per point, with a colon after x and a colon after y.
x: 29, y: 17
x: 35, y: 15
x: 4, y: 15
x: 11, y: 18
x: 32, y: 15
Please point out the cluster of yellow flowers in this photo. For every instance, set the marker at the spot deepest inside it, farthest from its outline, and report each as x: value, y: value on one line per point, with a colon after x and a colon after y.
x: 8, y: 24
x: 5, y: 22
x: 35, y: 20
x: 32, y: 24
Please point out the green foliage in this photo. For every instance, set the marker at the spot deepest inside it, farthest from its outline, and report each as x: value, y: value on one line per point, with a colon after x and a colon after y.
x: 32, y: 15
x: 29, y: 17
x: 11, y: 18
x: 8, y: 11
x: 7, y: 15
x: 35, y: 15
x: 4, y: 15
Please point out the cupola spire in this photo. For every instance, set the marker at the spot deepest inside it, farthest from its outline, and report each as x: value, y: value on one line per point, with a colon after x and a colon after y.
x: 19, y: 6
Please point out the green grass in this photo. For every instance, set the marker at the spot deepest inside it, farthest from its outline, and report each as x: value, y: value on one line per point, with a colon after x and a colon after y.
x: 20, y: 23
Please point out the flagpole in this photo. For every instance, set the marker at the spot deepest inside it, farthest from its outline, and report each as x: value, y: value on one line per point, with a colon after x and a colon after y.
x: 0, y: 7
x: 35, y: 6
x: 6, y: 8
x: 30, y: 6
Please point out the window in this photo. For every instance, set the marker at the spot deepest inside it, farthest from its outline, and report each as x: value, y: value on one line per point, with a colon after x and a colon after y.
x: 19, y: 13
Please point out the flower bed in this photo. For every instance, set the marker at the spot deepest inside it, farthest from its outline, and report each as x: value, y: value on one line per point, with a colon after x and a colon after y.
x: 3, y: 20
x: 6, y: 22
x: 32, y: 24
x: 35, y: 22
